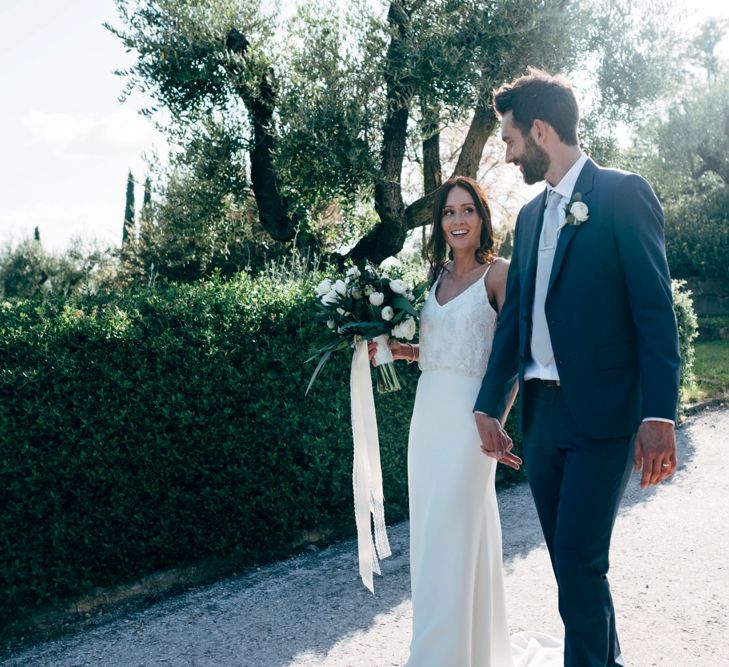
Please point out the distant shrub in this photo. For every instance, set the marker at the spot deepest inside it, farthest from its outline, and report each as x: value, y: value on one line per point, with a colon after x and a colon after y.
x: 688, y: 330
x: 697, y: 236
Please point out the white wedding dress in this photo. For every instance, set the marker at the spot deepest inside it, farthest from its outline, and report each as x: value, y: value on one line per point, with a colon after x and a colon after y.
x: 459, y: 610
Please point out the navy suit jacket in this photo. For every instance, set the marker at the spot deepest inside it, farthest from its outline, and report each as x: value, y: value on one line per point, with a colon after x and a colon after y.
x: 609, y: 309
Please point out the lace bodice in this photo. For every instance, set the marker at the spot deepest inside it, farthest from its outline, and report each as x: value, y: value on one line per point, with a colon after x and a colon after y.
x: 457, y: 336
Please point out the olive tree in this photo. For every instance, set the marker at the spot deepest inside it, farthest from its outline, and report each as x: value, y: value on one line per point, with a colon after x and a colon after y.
x: 332, y: 104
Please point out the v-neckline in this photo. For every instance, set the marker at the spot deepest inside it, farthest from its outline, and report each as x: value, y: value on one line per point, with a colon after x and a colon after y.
x: 475, y: 282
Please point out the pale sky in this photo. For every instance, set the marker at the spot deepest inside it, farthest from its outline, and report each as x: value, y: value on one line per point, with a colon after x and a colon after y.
x: 67, y: 141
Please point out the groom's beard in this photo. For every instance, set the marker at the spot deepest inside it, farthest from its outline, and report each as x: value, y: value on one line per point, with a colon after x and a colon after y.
x: 535, y: 162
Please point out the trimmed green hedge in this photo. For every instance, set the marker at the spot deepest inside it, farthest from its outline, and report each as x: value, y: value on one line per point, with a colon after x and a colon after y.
x: 156, y: 429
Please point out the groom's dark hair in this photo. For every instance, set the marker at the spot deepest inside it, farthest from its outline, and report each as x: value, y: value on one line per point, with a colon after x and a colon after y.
x: 539, y: 95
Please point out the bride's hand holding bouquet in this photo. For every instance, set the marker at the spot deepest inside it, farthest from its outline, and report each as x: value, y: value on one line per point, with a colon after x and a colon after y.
x: 399, y: 351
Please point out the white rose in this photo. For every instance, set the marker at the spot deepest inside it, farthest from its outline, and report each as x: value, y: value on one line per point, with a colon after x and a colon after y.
x: 579, y: 211
x: 398, y: 286
x: 397, y: 331
x: 353, y: 272
x: 340, y: 288
x: 387, y: 313
x: 408, y: 327
x: 331, y: 324
x: 377, y: 298
x: 323, y: 287
x: 410, y: 295
x: 329, y: 298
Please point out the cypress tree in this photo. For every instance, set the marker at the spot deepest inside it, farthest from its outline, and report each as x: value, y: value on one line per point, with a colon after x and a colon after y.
x: 128, y: 229
x: 36, y: 234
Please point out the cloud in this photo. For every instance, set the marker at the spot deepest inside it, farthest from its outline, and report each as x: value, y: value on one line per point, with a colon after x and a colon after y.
x: 122, y: 132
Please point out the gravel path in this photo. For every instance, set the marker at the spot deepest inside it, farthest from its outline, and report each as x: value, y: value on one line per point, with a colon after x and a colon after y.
x: 670, y: 581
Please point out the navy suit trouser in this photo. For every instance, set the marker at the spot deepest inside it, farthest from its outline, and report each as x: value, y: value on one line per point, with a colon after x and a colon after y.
x: 577, y: 483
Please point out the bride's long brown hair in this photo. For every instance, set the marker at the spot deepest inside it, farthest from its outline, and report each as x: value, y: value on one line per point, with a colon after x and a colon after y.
x: 438, y: 251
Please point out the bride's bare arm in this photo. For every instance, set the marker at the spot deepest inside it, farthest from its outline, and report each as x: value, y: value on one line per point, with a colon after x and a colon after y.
x: 496, y: 282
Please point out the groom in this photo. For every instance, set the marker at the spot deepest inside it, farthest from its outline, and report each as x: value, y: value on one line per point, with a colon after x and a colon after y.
x: 588, y: 331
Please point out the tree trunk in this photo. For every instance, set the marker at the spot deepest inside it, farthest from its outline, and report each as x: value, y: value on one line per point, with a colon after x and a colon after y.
x: 482, y: 126
x: 272, y: 207
x: 432, y: 171
x: 388, y: 236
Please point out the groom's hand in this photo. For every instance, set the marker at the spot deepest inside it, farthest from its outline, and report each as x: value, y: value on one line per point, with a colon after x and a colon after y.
x: 655, y: 451
x: 495, y: 441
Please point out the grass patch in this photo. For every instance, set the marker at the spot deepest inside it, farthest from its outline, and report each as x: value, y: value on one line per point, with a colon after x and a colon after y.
x: 711, y: 367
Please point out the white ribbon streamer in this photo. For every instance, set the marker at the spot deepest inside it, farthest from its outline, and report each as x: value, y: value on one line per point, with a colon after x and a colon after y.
x: 367, y: 472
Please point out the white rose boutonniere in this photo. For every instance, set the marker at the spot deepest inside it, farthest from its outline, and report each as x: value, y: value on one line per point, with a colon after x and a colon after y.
x: 576, y: 211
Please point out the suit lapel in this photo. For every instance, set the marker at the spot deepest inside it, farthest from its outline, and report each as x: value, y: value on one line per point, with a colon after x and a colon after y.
x: 584, y: 187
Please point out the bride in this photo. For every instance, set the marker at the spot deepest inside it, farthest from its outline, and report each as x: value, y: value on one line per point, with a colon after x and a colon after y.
x: 459, y: 611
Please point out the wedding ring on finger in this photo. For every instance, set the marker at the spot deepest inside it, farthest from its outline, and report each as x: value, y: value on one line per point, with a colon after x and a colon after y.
x: 665, y: 465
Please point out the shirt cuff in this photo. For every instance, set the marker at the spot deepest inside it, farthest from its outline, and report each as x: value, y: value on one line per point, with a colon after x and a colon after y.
x: 659, y: 419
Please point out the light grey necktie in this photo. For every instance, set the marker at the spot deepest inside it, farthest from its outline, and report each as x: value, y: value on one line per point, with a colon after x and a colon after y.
x: 541, y: 343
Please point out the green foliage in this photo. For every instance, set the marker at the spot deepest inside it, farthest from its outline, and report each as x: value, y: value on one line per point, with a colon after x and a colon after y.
x: 690, y: 148
x: 684, y: 153
x: 697, y: 236
x: 329, y: 106
x: 157, y: 428
x: 23, y: 269
x: 28, y: 270
x: 688, y: 330
x: 205, y: 220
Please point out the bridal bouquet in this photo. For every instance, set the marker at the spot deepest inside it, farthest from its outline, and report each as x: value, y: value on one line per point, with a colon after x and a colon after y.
x: 362, y: 305
x: 365, y: 304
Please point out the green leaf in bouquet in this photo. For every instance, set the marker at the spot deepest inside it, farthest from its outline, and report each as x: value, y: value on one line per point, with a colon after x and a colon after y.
x: 419, y: 290
x: 399, y: 317
x: 325, y: 352
x: 366, y: 329
x: 401, y: 303
x: 329, y: 347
